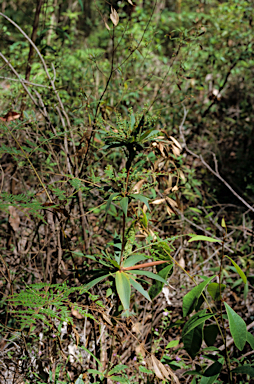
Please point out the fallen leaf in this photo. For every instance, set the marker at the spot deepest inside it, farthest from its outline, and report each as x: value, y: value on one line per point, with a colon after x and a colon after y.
x: 14, y: 218
x: 10, y: 116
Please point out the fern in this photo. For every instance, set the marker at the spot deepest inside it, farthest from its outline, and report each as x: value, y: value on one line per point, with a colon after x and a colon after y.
x: 21, y: 201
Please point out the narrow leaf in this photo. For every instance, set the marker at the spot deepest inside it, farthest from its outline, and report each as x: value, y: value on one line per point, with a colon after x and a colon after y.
x: 148, y: 274
x: 124, y: 205
x: 133, y: 259
x: 191, y: 298
x: 95, y: 281
x: 139, y: 288
x: 156, y: 288
x: 250, y: 339
x: 239, y: 271
x: 123, y: 288
x: 237, y: 327
x: 204, y: 238
x: 194, y: 321
x: 111, y: 197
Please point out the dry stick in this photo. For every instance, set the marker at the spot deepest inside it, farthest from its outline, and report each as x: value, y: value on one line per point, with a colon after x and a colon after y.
x: 216, y: 172
x: 25, y: 81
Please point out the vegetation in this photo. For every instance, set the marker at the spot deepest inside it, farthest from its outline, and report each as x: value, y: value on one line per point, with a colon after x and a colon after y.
x: 127, y: 193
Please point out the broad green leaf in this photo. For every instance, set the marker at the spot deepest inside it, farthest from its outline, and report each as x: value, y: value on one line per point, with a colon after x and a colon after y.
x: 157, y: 286
x: 250, y: 339
x: 204, y: 238
x: 237, y: 327
x: 141, y: 198
x: 133, y: 259
x: 79, y: 380
x: 195, y: 320
x: 95, y: 281
x: 81, y: 4
x: 148, y: 274
x: 192, y: 334
x: 124, y: 205
x: 191, y: 298
x: 172, y: 344
x: 120, y: 379
x: 208, y: 380
x: 213, y: 370
x: 111, y: 197
x: 247, y: 369
x: 139, y: 288
x: 214, y: 290
x: 210, y: 334
x: 123, y: 288
x: 239, y: 271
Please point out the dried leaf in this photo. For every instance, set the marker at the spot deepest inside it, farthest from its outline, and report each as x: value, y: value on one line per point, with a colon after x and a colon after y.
x: 10, y: 116
x: 137, y: 187
x: 175, y: 188
x: 130, y: 2
x: 107, y: 26
x: 169, y: 210
x: 176, y: 142
x: 76, y: 314
x: 136, y: 328
x: 172, y: 202
x: 14, y: 218
x: 107, y: 319
x: 140, y: 349
x: 156, y: 368
x: 176, y: 150
x: 114, y: 16
x: 158, y: 201
x: 181, y: 262
x: 181, y: 174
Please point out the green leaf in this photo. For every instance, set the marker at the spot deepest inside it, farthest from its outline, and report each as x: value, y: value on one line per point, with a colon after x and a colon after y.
x: 208, y: 380
x: 195, y: 320
x: 239, y: 271
x: 118, y: 368
x: 124, y: 205
x: 191, y: 298
x: 148, y: 274
x: 81, y: 4
x: 157, y: 286
x: 192, y: 333
x: 210, y: 334
x: 142, y: 198
x: 79, y: 380
x: 133, y: 120
x: 247, y: 369
x: 214, y: 290
x: 213, y: 370
x: 204, y: 238
x: 148, y: 134
x: 133, y: 259
x: 95, y: 281
x: 139, y: 288
x: 123, y: 288
x: 237, y: 327
x: 172, y: 344
x: 111, y: 197
x: 90, y: 353
x: 250, y: 339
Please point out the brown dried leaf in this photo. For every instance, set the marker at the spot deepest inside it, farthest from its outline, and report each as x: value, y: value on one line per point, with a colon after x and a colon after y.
x: 156, y: 368
x: 76, y: 314
x: 181, y: 262
x: 158, y: 201
x: 176, y: 142
x: 137, y: 187
x: 175, y: 188
x: 14, y: 218
x: 140, y: 349
x: 172, y: 202
x: 176, y: 150
x: 107, y: 319
x: 129, y: 1
x: 107, y: 26
x: 136, y: 328
x: 169, y: 210
x: 114, y: 16
x: 10, y: 116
